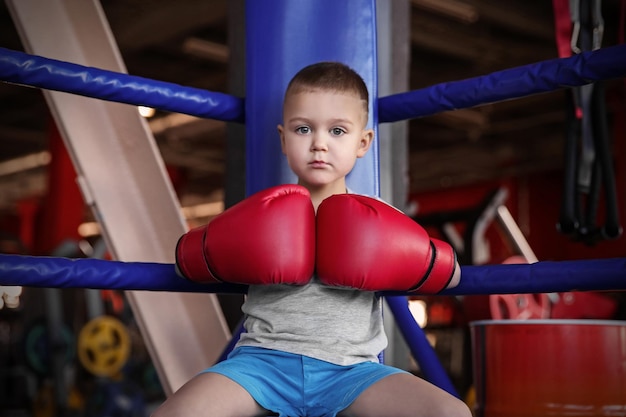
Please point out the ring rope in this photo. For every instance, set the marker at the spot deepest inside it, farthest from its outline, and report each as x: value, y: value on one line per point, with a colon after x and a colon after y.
x: 587, y: 67
x: 539, y: 277
x: 36, y: 71
x: 517, y: 82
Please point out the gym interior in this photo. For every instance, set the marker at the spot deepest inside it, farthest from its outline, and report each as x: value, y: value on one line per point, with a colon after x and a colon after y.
x: 517, y: 180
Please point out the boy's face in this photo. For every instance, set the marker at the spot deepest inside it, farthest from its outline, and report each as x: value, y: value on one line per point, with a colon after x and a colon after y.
x: 323, y: 135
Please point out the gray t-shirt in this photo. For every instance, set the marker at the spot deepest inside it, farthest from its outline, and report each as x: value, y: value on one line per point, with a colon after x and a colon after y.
x: 336, y: 325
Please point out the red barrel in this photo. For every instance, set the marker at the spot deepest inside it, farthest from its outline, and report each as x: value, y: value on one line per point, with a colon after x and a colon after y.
x: 526, y: 368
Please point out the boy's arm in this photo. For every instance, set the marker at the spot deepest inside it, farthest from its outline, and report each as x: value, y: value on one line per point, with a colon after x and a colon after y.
x: 367, y: 244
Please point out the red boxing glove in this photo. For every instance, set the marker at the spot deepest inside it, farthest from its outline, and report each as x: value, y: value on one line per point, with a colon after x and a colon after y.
x: 268, y: 238
x: 366, y: 244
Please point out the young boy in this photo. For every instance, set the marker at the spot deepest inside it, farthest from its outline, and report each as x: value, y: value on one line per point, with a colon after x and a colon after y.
x: 312, y: 350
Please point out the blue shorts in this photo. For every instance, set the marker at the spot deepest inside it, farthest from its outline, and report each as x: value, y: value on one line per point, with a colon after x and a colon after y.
x: 295, y: 385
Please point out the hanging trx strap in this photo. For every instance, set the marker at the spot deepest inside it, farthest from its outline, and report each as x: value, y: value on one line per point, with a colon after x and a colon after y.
x: 588, y: 169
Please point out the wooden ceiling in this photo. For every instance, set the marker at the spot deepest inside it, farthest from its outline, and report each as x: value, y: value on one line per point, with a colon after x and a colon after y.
x: 187, y: 43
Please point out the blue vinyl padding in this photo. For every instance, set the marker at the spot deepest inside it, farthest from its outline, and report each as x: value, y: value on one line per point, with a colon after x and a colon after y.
x: 282, y: 37
x: 36, y: 71
x: 540, y: 277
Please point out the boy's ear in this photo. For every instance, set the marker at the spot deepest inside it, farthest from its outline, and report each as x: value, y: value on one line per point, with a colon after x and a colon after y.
x: 367, y: 137
x: 281, y: 134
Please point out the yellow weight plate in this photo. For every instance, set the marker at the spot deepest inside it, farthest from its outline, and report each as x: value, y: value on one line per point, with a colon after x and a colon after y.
x: 104, y: 346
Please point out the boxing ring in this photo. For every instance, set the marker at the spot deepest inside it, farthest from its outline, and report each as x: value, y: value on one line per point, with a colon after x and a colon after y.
x: 270, y: 63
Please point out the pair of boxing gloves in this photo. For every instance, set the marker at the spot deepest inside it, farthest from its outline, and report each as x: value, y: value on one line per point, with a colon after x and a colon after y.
x: 275, y: 237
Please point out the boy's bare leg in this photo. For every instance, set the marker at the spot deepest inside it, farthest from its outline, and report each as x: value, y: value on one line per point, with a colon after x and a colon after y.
x: 401, y: 395
x: 210, y: 394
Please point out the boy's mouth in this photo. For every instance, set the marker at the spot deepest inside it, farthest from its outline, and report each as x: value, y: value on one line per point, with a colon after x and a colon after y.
x: 318, y: 164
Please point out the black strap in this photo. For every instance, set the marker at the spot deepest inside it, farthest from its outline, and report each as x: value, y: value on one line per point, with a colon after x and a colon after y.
x: 588, y: 167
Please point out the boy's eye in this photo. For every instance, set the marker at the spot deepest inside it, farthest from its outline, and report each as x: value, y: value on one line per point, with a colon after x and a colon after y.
x: 303, y: 130
x: 337, y: 131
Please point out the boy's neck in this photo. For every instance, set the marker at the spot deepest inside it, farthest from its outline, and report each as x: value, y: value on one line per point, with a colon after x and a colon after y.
x: 319, y: 194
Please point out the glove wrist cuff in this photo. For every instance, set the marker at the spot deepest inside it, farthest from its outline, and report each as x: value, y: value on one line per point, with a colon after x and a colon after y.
x: 190, y: 260
x: 441, y: 270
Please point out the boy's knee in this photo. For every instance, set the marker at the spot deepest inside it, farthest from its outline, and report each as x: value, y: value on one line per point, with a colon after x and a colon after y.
x: 456, y: 408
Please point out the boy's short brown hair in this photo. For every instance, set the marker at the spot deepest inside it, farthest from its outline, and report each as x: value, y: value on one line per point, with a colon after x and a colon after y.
x: 331, y: 76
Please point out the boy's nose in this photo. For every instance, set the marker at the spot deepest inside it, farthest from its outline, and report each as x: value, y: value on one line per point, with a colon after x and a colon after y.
x: 319, y: 143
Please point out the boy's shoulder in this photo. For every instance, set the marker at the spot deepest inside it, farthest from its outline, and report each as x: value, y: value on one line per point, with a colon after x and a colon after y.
x: 349, y: 191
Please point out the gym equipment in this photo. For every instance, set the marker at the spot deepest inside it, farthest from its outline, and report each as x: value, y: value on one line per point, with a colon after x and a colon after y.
x: 104, y: 346
x: 354, y: 233
x: 549, y: 367
x: 268, y: 238
x: 38, y: 350
x: 589, y: 175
